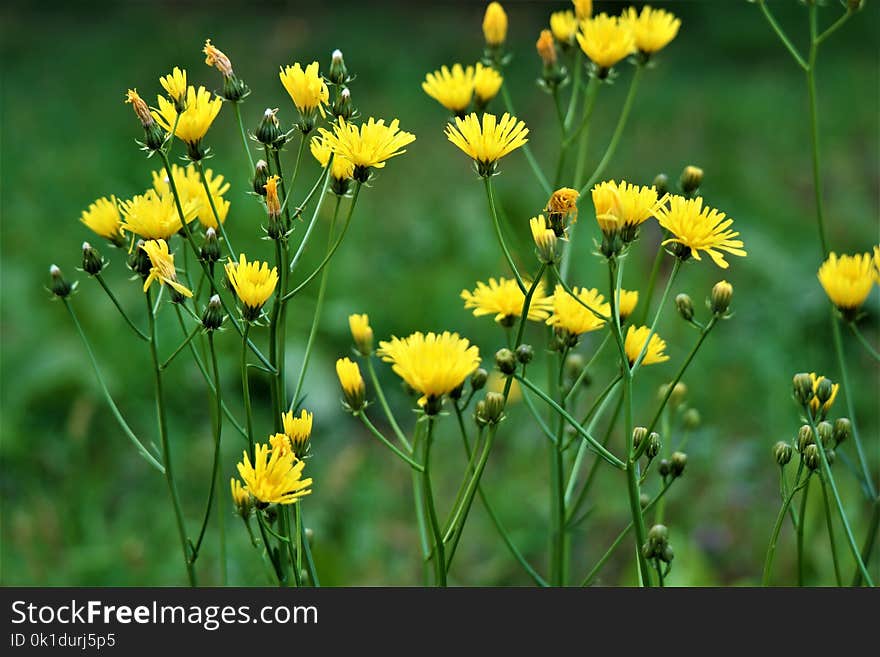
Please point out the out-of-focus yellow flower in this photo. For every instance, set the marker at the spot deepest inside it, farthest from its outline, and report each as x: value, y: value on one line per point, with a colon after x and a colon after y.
x: 298, y: 431
x: 652, y: 29
x: 215, y: 57
x: 174, y: 85
x: 341, y: 169
x: 103, y: 218
x: 564, y: 26
x: 696, y: 228
x: 572, y: 317
x: 546, y: 48
x: 253, y: 283
x: 192, y: 193
x: 495, y: 25
x: 877, y: 264
x: 202, y: 108
x: 154, y: 216
x: 434, y: 364
x: 814, y: 402
x: 453, y: 88
x: 275, y: 477
x: 504, y: 299
x: 635, y: 342
x: 496, y: 383
x: 489, y: 141
x: 583, y: 8
x: 605, y: 40
x: 306, y: 88
x: 368, y: 147
x: 240, y: 497
x: 352, y: 383
x: 627, y: 303
x: 545, y: 239
x: 487, y: 83
x: 847, y: 280
x: 361, y: 333
x: 162, y: 269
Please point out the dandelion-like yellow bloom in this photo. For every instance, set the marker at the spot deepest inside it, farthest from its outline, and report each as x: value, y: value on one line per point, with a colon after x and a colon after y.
x: 306, y: 88
x: 361, y: 333
x: 433, y: 364
x: 162, y: 269
x: 571, y: 316
x: 635, y: 342
x: 240, y: 497
x: 564, y: 26
x: 627, y: 303
x: 140, y: 107
x: 341, y: 169
x: 583, y: 8
x: 564, y: 202
x: 504, y: 299
x: 489, y: 141
x: 367, y: 147
x: 697, y: 229
x: 652, y: 29
x: 215, y: 57
x: 544, y: 237
x: 605, y: 40
x: 495, y: 24
x: 202, y: 108
x: 253, y: 282
x: 487, y: 83
x: 275, y: 477
x: 273, y: 203
x: 174, y: 85
x: 623, y: 206
x: 847, y: 280
x: 103, y: 219
x: 154, y: 216
x: 546, y: 48
x: 814, y: 402
x: 298, y: 430
x: 452, y: 88
x: 192, y: 193
x: 352, y: 383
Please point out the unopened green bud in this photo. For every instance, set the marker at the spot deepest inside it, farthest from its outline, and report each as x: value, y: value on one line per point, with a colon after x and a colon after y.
x: 842, y: 430
x: 213, y: 317
x: 639, y: 434
x: 661, y: 184
x: 679, y: 392
x: 210, y: 249
x: 525, y: 353
x: 664, y: 467
x: 644, y: 500
x: 802, y: 385
x: 691, y: 419
x: 338, y: 72
x: 269, y: 129
x: 261, y: 176
x: 479, y: 378
x: 722, y: 293
x: 139, y: 261
x: 667, y: 555
x: 92, y: 262
x: 782, y: 453
x: 233, y: 88
x: 342, y: 107
x: 492, y: 408
x: 654, y: 444
x: 824, y: 390
x: 154, y: 137
x: 685, y: 306
x: 826, y: 433
x: 480, y: 414
x: 574, y: 365
x: 830, y: 455
x: 854, y: 5
x: 59, y: 286
x: 677, y: 463
x: 811, y: 457
x: 505, y: 361
x: 658, y: 534
x: 805, y: 437
x: 691, y: 179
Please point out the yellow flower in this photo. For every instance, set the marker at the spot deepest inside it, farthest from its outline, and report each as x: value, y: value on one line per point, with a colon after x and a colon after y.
x: 570, y: 316
x: 545, y: 239
x: 653, y: 28
x: 814, y: 402
x: 298, y: 430
x: 583, y: 8
x: 192, y: 193
x: 103, y: 219
x: 488, y: 142
x: 847, y: 280
x: 564, y: 202
x: 306, y: 88
x: 240, y: 497
x: 635, y: 342
x: 154, y: 216
x: 564, y: 26
x: 505, y: 300
x: 275, y: 477
x: 174, y: 85
x: 451, y: 88
x: 487, y: 83
x: 341, y: 169
x: 140, y: 107
x: 369, y: 146
x: 432, y: 364
x: 351, y: 382
x: 162, y: 269
x: 273, y: 203
x: 627, y: 303
x: 202, y: 108
x: 495, y: 24
x: 696, y: 228
x: 215, y: 57
x: 605, y: 40
x: 253, y: 282
x: 546, y: 48
x: 624, y: 207
x: 361, y: 333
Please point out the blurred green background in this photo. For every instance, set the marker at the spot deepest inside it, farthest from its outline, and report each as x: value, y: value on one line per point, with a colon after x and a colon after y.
x: 80, y: 507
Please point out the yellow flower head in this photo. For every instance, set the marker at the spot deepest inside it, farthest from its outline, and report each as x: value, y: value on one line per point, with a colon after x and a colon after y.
x: 571, y: 317
x: 341, y: 169
x: 433, y: 364
x: 814, y: 402
x: 275, y: 477
x: 298, y: 430
x: 140, y: 107
x: 605, y: 40
x: 240, y: 497
x: 877, y: 264
x: 505, y: 300
x: 306, y: 88
x: 564, y: 26
x: 202, y: 108
x: 653, y: 29
x: 174, y: 85
x: 635, y: 343
x: 253, y: 282
x: 546, y: 48
x: 847, y: 280
x: 273, y: 203
x: 192, y: 193
x: 352, y: 383
x: 696, y: 228
x: 368, y: 146
x: 451, y: 88
x: 583, y: 8
x: 487, y: 83
x: 564, y: 202
x: 488, y: 142
x: 162, y: 269
x: 361, y: 333
x: 154, y: 216
x: 624, y: 207
x: 103, y: 219
x: 495, y: 24
x: 627, y: 303
x: 545, y: 239
x: 215, y: 57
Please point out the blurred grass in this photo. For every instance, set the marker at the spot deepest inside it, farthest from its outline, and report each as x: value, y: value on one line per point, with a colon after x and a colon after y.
x: 81, y: 508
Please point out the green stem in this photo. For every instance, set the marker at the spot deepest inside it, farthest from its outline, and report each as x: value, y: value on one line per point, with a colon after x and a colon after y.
x: 814, y: 141
x: 868, y: 545
x: 378, y: 434
x: 323, y: 181
x: 536, y: 169
x: 181, y: 346
x: 575, y: 386
x: 439, y: 552
x: 244, y: 141
x: 583, y: 132
x: 782, y: 36
x: 246, y: 391
x: 578, y: 67
x: 495, y: 222
x: 652, y: 281
x: 383, y: 402
x: 774, y: 536
x: 830, y: 524
x: 419, y: 501
x: 215, y: 470
x: 864, y: 341
x: 100, y: 278
x: 800, y: 532
x: 632, y: 480
x: 833, y: 28
x: 220, y: 226
x: 600, y: 403
x: 675, y: 268
x: 307, y: 551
